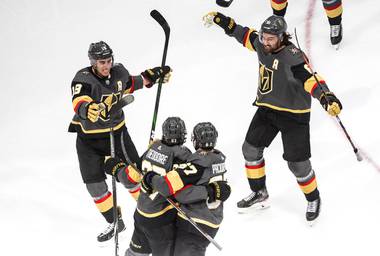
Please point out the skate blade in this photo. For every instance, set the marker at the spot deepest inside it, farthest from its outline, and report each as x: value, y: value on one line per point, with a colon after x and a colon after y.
x: 256, y: 207
x: 336, y: 46
x: 311, y: 223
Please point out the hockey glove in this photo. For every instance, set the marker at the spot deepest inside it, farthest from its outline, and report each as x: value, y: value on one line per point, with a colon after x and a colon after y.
x: 155, y: 74
x: 218, y: 190
x: 330, y: 103
x: 146, y: 182
x: 93, y: 111
x: 113, y: 165
x: 227, y: 23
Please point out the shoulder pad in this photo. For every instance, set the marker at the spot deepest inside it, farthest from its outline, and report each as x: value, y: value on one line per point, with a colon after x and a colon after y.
x: 293, y: 56
x: 120, y: 71
x: 206, y: 159
x: 84, y: 76
x: 181, y: 152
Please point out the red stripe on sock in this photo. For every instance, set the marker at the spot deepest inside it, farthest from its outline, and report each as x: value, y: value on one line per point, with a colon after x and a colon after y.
x: 101, y: 200
x: 255, y: 166
x: 307, y: 182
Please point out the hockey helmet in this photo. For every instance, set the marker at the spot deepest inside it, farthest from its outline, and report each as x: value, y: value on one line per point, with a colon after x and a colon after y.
x: 174, y: 131
x: 204, y: 136
x: 98, y: 51
x: 274, y: 25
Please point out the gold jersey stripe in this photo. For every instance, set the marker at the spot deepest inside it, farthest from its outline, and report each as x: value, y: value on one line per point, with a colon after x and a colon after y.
x: 175, y: 181
x: 98, y: 130
x: 133, y: 174
x: 278, y: 7
x: 200, y: 221
x: 309, y: 84
x: 307, y: 189
x: 296, y: 111
x: 81, y: 98
x: 105, y: 205
x: 255, y: 173
x: 334, y: 13
x: 247, y: 42
x: 156, y: 214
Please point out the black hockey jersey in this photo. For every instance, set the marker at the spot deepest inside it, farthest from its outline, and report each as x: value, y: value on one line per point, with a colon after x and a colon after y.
x: 87, y: 87
x: 285, y: 81
x: 202, y: 168
x: 153, y: 210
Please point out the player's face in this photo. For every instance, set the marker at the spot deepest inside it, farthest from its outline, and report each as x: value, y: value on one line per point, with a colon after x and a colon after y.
x: 103, y: 67
x: 270, y: 42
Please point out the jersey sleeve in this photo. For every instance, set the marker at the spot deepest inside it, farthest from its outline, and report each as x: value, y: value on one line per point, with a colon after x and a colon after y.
x: 303, y: 73
x: 191, y: 194
x: 129, y: 177
x: 81, y: 97
x: 134, y: 83
x: 246, y: 36
x: 178, y: 178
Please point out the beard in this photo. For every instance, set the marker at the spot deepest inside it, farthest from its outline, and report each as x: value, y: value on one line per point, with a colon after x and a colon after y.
x: 270, y: 49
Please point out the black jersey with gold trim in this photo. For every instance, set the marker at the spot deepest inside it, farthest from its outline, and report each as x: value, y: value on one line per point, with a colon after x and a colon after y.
x: 87, y: 87
x: 153, y: 210
x: 286, y: 82
x: 187, y: 184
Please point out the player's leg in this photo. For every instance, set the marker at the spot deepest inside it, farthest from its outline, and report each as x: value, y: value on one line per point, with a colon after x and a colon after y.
x: 279, y: 7
x: 91, y: 167
x: 334, y: 10
x: 296, y: 142
x: 260, y: 134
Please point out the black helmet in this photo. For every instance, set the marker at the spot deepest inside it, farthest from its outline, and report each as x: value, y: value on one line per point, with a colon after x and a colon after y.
x: 204, y: 136
x: 275, y: 25
x: 174, y: 131
x: 98, y: 51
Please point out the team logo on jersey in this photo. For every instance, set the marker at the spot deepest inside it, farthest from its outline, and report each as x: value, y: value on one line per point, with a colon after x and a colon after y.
x: 294, y: 50
x: 109, y: 100
x: 266, y: 79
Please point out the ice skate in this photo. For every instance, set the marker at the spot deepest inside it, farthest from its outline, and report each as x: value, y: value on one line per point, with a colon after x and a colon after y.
x: 109, y: 232
x: 336, y: 35
x: 256, y: 200
x: 312, y: 211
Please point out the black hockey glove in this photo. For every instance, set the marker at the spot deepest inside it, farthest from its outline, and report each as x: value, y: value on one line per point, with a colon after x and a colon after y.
x: 113, y: 165
x: 330, y: 103
x: 154, y: 75
x: 146, y: 182
x: 218, y: 190
x: 226, y: 23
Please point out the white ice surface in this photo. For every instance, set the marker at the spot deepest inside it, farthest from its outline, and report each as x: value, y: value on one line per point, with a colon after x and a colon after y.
x: 45, y: 208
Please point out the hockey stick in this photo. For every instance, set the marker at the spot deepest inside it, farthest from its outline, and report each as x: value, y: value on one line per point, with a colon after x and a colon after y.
x: 165, y: 26
x: 116, y: 108
x: 207, y: 236
x: 224, y: 3
x: 356, y: 151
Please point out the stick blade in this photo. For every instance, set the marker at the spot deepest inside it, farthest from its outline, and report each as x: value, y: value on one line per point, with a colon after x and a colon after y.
x: 126, y: 100
x: 161, y: 20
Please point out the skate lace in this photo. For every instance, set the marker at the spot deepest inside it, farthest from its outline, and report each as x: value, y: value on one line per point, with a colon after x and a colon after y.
x: 335, y: 29
x: 312, y: 206
x: 108, y: 229
x: 248, y: 198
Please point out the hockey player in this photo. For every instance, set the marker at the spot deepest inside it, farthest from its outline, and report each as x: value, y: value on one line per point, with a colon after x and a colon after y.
x: 334, y: 10
x: 205, y: 168
x: 154, y: 216
x: 95, y: 89
x: 286, y: 85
